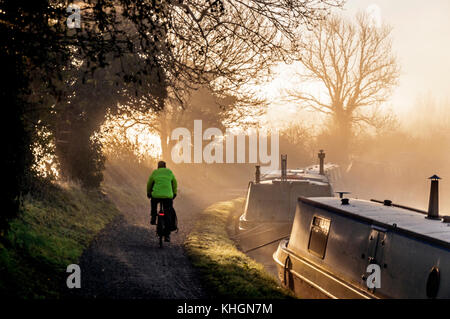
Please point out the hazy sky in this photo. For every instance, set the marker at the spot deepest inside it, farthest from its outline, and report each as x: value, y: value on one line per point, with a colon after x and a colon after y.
x: 421, y: 40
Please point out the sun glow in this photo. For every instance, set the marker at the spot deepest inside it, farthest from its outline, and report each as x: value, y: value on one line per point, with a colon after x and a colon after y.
x: 119, y: 136
x: 123, y: 134
x: 45, y: 161
x: 283, y: 108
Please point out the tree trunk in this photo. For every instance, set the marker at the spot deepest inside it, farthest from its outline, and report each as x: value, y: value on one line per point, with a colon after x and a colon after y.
x: 342, y: 133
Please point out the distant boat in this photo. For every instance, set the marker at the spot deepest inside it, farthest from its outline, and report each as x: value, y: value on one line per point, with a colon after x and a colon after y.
x: 272, y: 198
x: 270, y: 206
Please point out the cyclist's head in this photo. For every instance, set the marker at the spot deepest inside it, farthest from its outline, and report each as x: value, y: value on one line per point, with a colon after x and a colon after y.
x: 161, y: 164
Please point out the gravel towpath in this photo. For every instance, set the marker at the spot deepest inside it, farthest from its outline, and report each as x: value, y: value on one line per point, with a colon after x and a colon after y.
x: 125, y: 260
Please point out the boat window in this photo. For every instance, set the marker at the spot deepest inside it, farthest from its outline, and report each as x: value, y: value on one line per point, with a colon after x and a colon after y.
x: 319, y: 236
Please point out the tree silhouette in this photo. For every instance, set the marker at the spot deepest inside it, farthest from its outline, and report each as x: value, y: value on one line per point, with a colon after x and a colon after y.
x: 354, y: 63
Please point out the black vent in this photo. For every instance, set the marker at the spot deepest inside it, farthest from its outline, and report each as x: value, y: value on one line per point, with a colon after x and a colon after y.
x: 387, y: 202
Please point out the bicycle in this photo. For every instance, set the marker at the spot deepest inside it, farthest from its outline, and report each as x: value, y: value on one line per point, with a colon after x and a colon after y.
x: 161, y: 224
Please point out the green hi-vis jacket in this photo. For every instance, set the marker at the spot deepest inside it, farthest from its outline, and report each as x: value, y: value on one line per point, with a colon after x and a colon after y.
x: 162, y: 183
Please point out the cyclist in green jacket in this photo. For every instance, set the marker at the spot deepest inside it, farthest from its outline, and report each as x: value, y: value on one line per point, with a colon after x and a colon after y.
x: 161, y: 188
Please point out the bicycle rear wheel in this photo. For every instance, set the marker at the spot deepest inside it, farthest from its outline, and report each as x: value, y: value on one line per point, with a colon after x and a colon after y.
x: 160, y: 229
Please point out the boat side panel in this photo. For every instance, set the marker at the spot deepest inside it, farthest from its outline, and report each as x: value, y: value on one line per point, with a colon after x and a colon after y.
x: 277, y: 201
x: 407, y: 264
x: 267, y: 202
x: 346, y: 250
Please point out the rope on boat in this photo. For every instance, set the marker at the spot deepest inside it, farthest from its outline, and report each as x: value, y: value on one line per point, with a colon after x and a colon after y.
x: 263, y: 245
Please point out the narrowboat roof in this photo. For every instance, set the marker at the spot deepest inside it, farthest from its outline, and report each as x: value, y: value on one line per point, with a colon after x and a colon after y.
x: 300, y: 178
x: 402, y: 219
x: 314, y: 169
x: 309, y: 172
x: 293, y: 175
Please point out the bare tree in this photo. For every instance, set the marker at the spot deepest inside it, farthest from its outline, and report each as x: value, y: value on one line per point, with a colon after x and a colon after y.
x: 225, y: 43
x: 221, y: 44
x: 354, y: 62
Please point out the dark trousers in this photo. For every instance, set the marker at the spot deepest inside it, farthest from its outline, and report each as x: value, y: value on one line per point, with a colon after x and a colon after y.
x: 167, y: 204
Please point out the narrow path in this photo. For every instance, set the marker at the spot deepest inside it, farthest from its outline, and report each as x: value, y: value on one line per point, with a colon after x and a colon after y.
x: 125, y: 260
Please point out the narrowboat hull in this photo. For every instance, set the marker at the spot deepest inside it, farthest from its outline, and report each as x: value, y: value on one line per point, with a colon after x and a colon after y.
x: 310, y: 281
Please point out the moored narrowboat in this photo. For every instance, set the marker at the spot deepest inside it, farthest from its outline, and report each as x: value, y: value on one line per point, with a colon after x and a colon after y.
x: 272, y: 198
x: 352, y: 248
x: 270, y: 206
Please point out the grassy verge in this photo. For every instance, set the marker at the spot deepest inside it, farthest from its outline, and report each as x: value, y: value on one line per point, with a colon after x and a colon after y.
x: 51, y: 233
x: 226, y: 271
